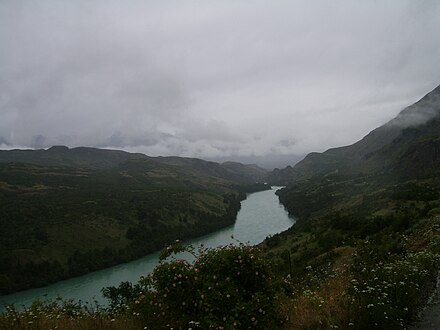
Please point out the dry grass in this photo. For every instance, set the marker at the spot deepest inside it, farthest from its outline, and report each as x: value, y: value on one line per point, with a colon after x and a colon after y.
x: 327, y: 305
x: 319, y: 309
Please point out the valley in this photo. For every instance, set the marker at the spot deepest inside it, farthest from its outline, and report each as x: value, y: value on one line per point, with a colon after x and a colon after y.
x: 364, y: 250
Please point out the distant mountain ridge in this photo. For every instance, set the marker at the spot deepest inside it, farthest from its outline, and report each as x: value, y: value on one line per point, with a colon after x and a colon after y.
x: 99, y: 159
x: 73, y: 157
x: 392, y: 147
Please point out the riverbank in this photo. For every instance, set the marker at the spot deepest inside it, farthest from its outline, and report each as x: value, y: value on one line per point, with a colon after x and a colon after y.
x: 355, y: 260
x: 67, y: 212
x: 201, y: 213
x: 260, y: 215
x: 376, y: 280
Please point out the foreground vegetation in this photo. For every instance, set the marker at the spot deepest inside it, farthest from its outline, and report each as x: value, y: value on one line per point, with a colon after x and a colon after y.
x: 381, y: 280
x: 225, y: 288
x: 377, y: 281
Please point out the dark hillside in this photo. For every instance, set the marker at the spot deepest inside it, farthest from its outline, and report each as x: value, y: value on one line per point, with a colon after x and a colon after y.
x: 74, y: 157
x: 228, y: 170
x: 367, y: 224
x: 94, y: 158
x: 66, y: 212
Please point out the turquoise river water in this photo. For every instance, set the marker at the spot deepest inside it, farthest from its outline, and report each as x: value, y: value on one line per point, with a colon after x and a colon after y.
x: 261, y: 215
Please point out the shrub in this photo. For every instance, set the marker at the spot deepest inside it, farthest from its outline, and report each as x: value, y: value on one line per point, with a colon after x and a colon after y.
x: 226, y: 288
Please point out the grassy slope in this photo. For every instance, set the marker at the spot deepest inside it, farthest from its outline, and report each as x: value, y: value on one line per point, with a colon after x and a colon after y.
x: 60, y: 221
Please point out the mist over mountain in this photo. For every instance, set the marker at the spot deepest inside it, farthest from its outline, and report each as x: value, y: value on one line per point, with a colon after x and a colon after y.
x: 395, y: 147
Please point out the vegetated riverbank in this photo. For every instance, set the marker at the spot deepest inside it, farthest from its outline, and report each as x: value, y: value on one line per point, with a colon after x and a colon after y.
x: 357, y: 286
x: 339, y: 279
x: 260, y: 215
x: 74, y: 211
x: 364, y: 251
x: 379, y: 280
x: 228, y: 287
x: 141, y: 239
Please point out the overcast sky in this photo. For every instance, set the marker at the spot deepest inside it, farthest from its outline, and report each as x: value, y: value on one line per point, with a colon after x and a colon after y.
x: 211, y: 79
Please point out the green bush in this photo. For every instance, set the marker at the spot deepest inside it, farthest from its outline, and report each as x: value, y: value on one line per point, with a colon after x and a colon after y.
x: 224, y: 288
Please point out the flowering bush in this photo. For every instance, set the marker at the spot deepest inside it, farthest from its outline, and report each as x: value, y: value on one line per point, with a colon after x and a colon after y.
x: 387, y: 293
x: 224, y: 288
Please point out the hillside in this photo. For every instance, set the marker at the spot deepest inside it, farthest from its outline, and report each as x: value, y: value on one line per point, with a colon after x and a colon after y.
x: 228, y: 170
x: 66, y: 212
x: 75, y: 157
x: 100, y: 159
x: 367, y: 214
x: 385, y: 149
x: 398, y: 158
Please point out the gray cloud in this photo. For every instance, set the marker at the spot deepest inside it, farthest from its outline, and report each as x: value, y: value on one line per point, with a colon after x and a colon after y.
x: 213, y: 78
x: 4, y: 142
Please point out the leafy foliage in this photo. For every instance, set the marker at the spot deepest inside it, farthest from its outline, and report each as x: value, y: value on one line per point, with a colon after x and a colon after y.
x: 226, y: 288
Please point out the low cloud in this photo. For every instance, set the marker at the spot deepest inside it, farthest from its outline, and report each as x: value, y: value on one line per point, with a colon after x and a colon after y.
x: 420, y: 112
x: 211, y: 79
x: 4, y: 142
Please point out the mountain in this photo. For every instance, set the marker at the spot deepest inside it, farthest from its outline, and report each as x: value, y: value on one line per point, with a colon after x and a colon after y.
x: 398, y: 148
x: 101, y: 159
x: 268, y: 161
x: 393, y: 172
x: 368, y: 214
x: 63, y: 156
x: 65, y: 212
x: 227, y: 170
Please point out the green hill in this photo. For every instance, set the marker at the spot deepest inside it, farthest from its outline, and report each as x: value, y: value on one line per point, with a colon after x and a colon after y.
x: 99, y: 159
x: 66, y: 212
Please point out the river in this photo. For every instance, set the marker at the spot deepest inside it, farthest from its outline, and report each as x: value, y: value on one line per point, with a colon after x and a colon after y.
x: 261, y: 215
